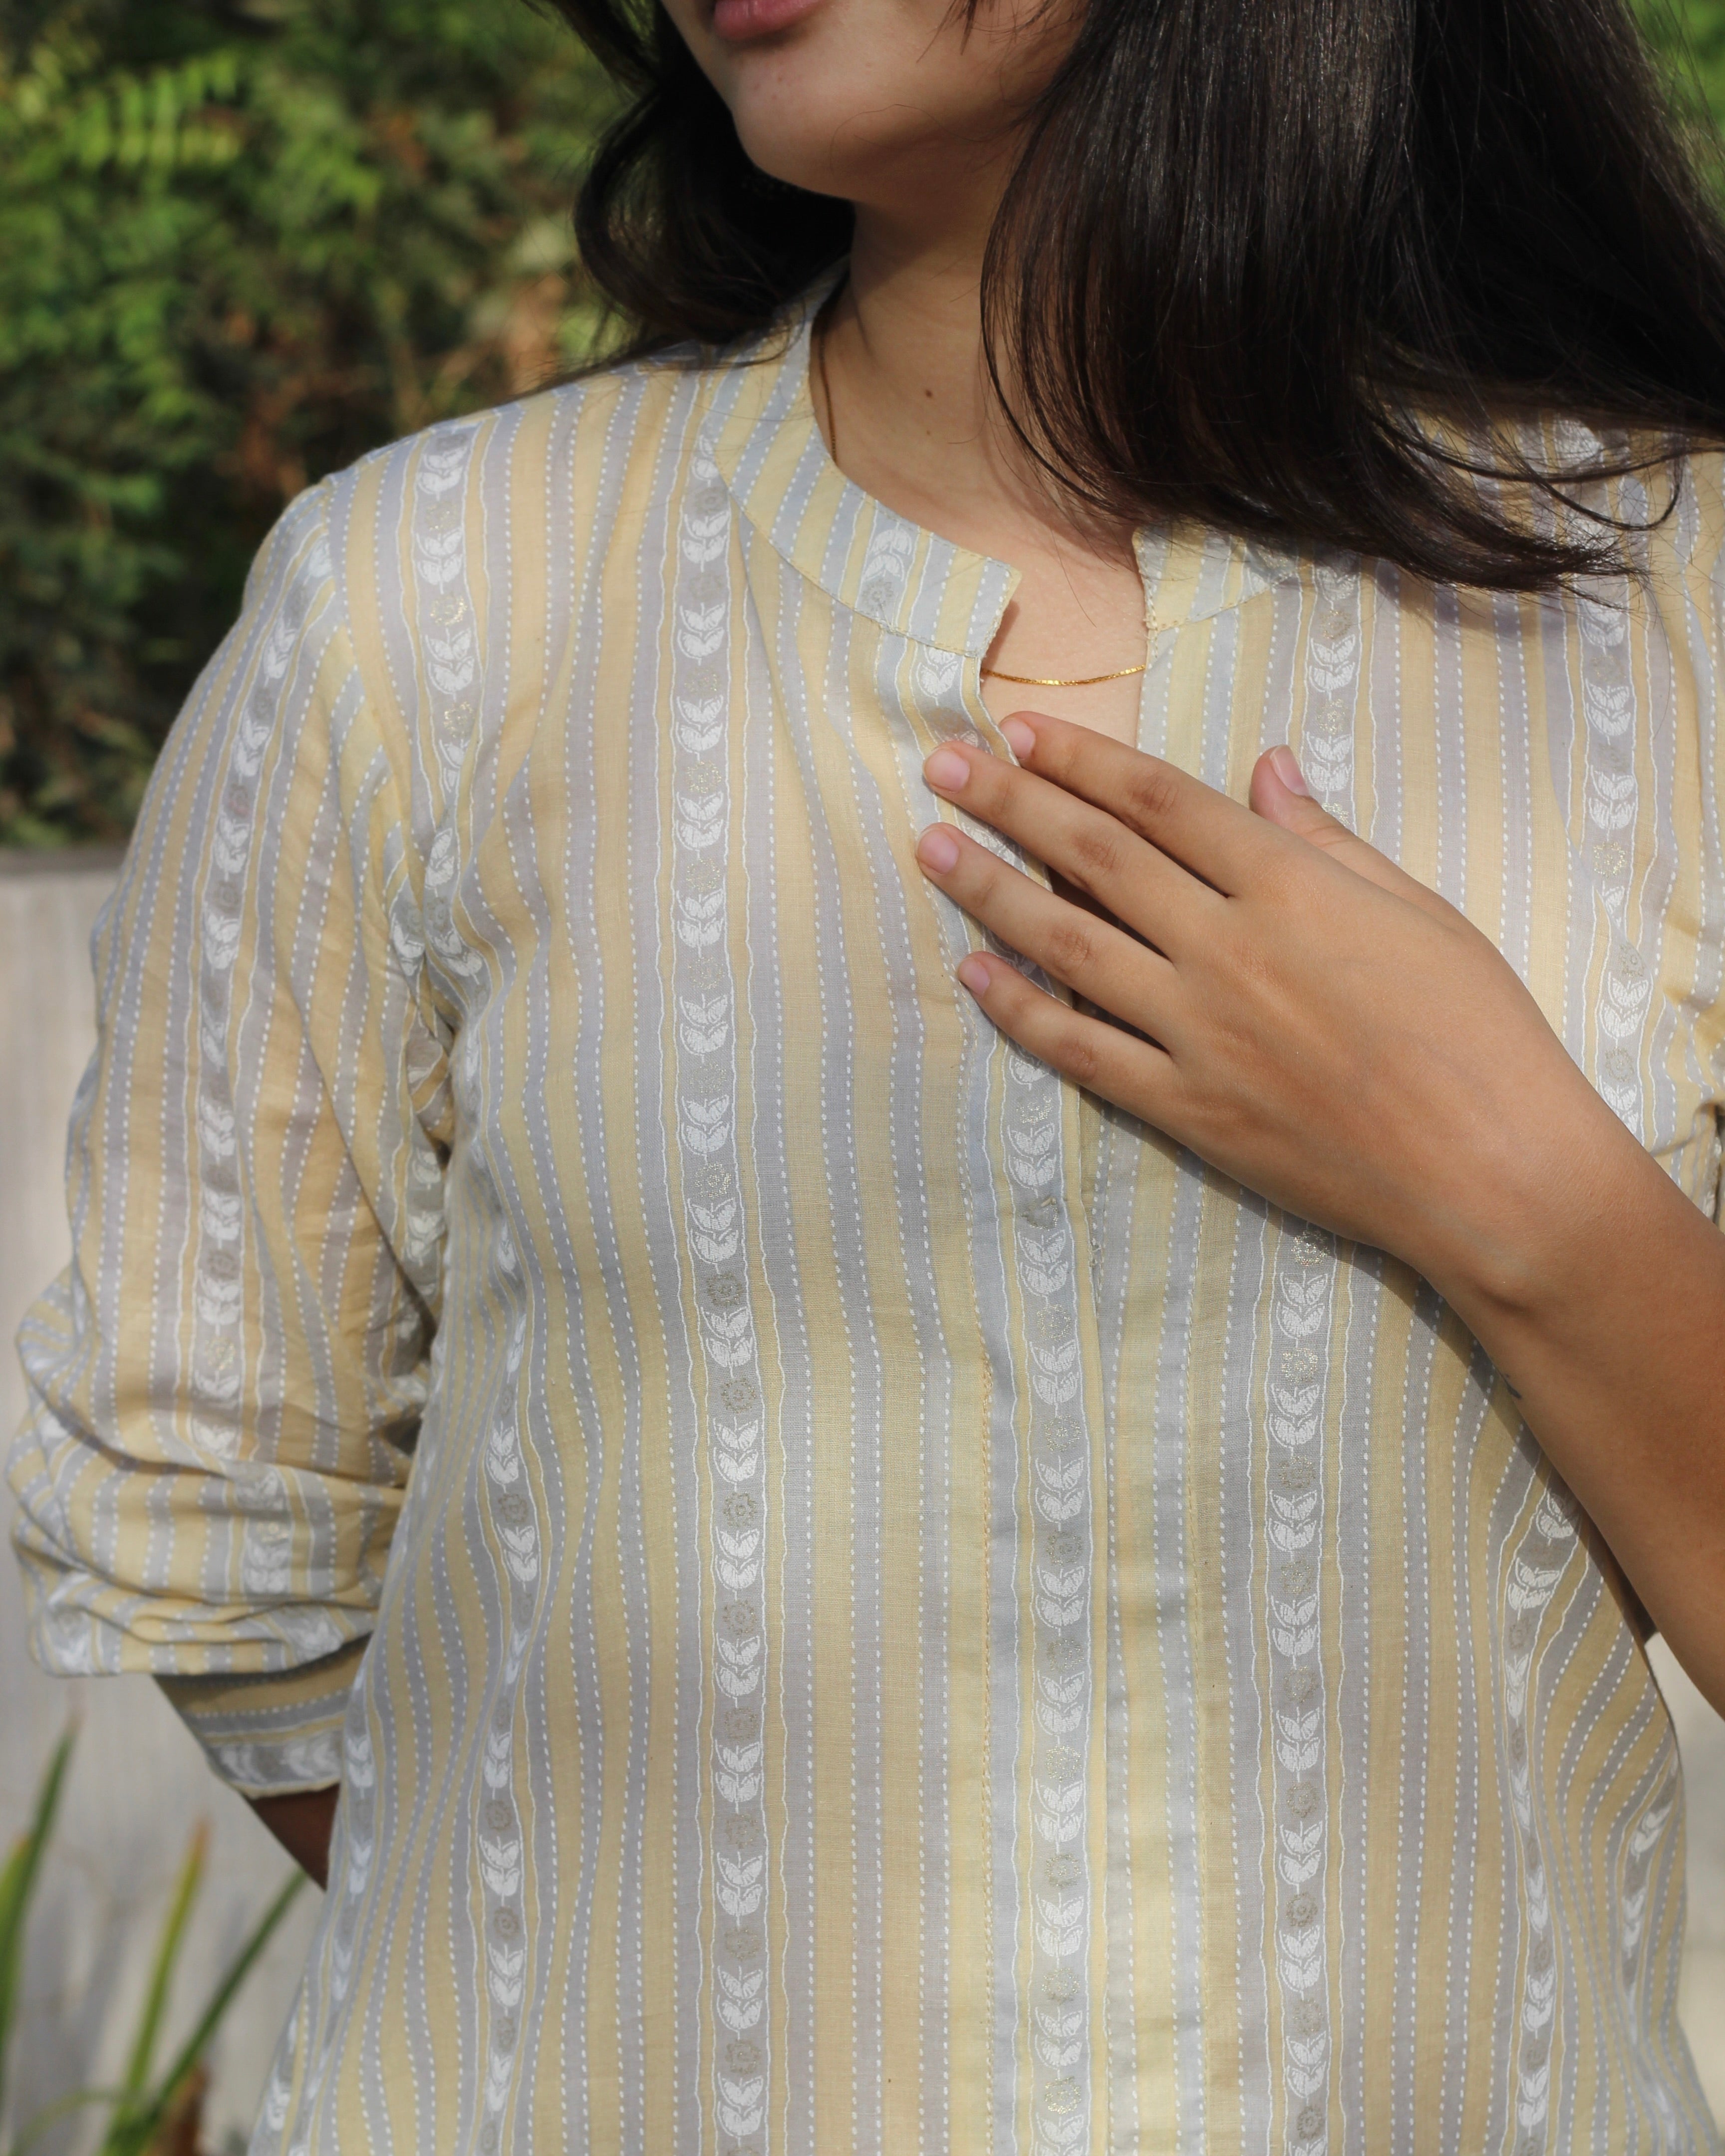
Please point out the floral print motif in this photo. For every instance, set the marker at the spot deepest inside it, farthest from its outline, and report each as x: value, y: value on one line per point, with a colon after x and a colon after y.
x: 351, y: 1850
x: 1332, y: 683
x: 300, y: 1762
x: 1643, y: 1844
x: 1301, y: 1294
x: 512, y: 1507
x: 263, y: 1518
x: 1302, y: 1297
x: 1612, y: 809
x: 1538, y: 1563
x: 712, y: 1205
x: 440, y: 488
x: 1649, y: 1839
x: 515, y: 1525
x: 1194, y: 1926
x: 1061, y: 1499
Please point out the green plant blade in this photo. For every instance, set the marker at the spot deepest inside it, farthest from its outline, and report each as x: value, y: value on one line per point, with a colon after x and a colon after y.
x: 17, y: 1884
x: 167, y: 1953
x: 132, y: 2132
x: 50, y: 2116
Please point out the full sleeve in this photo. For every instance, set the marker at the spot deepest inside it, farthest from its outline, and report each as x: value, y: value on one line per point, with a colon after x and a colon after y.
x: 225, y: 1385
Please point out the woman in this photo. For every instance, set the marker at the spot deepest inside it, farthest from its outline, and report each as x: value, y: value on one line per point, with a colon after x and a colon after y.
x: 779, y: 1242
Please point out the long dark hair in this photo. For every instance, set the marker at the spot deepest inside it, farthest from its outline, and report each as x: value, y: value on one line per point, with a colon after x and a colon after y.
x: 1268, y: 264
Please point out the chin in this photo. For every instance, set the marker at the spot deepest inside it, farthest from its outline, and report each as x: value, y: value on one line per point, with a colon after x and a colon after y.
x: 872, y: 101
x: 801, y: 154
x: 801, y: 132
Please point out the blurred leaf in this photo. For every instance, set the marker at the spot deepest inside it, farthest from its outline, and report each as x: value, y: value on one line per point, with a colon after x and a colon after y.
x: 1688, y: 37
x: 168, y: 1952
x: 241, y: 242
x: 17, y: 1883
x: 1692, y: 34
x: 139, y: 2117
x: 141, y: 2108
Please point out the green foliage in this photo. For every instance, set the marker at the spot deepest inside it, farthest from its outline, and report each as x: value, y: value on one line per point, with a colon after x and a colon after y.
x: 241, y: 242
x: 1690, y: 36
x: 146, y: 2098
x: 17, y: 1883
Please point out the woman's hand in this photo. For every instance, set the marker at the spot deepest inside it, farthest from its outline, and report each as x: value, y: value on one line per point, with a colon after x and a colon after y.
x: 1328, y: 1031
x: 1319, y: 1026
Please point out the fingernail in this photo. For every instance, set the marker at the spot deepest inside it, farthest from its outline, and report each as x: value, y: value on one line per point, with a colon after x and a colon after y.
x: 973, y: 972
x: 1022, y: 737
x: 1288, y: 771
x: 938, y: 849
x: 946, y: 771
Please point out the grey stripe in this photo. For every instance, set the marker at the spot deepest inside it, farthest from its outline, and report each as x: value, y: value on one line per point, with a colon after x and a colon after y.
x: 654, y: 1137
x: 775, y: 1145
x: 1411, y: 1467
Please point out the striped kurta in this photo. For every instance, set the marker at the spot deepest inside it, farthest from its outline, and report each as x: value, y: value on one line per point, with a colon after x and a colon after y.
x: 861, y: 1599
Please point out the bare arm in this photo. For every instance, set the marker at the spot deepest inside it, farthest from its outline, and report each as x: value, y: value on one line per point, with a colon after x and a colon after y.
x: 1612, y: 1352
x: 301, y: 1822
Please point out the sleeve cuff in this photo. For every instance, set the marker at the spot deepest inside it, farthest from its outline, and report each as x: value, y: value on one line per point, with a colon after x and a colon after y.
x: 268, y: 1736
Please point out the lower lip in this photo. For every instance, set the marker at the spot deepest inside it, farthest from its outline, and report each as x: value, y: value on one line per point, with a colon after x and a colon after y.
x: 738, y: 20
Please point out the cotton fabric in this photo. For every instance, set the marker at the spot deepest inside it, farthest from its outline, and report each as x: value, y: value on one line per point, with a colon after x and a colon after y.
x: 860, y: 1599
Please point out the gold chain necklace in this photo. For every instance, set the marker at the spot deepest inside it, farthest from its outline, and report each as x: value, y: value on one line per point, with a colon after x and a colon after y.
x: 988, y: 673
x: 1059, y: 681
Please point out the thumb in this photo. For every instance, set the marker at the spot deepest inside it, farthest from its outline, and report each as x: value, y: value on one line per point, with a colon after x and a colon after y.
x: 1279, y: 795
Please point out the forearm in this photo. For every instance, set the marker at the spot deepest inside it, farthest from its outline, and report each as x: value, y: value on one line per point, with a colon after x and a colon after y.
x: 301, y: 1822
x: 1614, y: 1348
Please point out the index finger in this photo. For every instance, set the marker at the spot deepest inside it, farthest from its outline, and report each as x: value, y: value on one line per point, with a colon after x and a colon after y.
x: 1216, y: 839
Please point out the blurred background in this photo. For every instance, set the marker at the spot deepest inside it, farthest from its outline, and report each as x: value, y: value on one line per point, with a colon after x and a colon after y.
x: 242, y: 242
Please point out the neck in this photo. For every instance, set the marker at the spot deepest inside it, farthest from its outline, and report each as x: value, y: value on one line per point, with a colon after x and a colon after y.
x: 913, y: 417
x: 904, y: 360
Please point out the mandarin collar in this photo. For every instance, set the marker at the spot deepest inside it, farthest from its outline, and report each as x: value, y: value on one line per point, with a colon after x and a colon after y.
x: 762, y: 432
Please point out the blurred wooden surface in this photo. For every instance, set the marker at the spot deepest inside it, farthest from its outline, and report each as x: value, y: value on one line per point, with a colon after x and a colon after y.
x: 138, y: 1783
